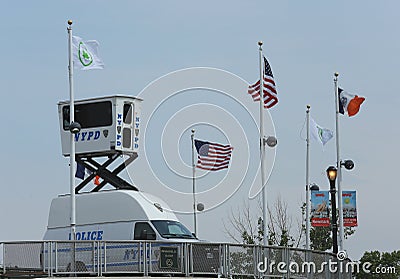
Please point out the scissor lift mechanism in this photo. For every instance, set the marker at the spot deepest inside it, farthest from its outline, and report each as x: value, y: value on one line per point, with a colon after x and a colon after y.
x: 101, y: 169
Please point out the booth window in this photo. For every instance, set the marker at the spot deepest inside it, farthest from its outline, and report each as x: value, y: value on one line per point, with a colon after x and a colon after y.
x: 128, y: 113
x: 143, y: 231
x: 126, y: 137
x: 90, y: 115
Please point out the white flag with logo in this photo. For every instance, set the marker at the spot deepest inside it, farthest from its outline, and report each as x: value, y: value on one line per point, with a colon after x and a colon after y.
x: 85, y: 54
x: 320, y: 134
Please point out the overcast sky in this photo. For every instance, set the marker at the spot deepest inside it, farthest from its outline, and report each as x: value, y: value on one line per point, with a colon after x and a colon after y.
x: 305, y: 42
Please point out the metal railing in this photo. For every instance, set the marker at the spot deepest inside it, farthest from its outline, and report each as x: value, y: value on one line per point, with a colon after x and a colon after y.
x: 154, y: 258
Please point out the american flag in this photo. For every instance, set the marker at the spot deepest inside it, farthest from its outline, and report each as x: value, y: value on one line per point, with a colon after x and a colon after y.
x: 212, y: 156
x: 270, y: 95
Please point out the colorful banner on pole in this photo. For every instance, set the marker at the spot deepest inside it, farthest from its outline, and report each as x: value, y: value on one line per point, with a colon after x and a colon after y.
x: 320, y: 209
x: 349, y: 208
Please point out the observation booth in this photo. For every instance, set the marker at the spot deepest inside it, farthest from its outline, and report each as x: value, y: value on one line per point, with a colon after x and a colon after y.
x: 110, y: 128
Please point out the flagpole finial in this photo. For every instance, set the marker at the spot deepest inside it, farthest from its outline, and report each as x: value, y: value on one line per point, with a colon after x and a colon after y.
x: 69, y: 22
x: 336, y: 74
x: 193, y: 131
x: 260, y: 43
x: 308, y: 107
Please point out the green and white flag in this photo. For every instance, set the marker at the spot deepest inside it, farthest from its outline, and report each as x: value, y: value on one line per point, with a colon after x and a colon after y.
x: 85, y: 54
x: 320, y: 134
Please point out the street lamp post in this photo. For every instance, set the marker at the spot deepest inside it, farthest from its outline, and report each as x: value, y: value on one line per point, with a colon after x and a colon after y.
x: 311, y: 188
x: 332, y: 173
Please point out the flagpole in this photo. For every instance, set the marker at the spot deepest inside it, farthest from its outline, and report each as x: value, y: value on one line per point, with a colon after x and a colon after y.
x: 262, y: 148
x: 71, y: 120
x: 308, y: 179
x: 339, y: 167
x: 194, y: 185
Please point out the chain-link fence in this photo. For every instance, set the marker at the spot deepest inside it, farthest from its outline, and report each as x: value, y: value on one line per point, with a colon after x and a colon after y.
x: 281, y: 262
x: 101, y: 258
x: 21, y: 258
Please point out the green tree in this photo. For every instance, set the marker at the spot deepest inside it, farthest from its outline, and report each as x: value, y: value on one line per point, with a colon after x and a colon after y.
x: 320, y: 238
x: 384, y: 265
x: 281, y: 229
x: 244, y: 228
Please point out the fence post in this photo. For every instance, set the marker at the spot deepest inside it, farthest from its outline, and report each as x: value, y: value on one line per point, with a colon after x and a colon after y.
x: 310, y: 259
x: 191, y: 258
x: 4, y: 257
x: 93, y: 257
x: 146, y: 273
x: 228, y: 261
x: 256, y: 258
x: 186, y: 259
x: 182, y: 259
x: 150, y: 266
x: 98, y: 258
x: 223, y: 264
x: 286, y: 255
x: 45, y: 256
x: 51, y: 258
x: 101, y: 247
x: 328, y: 274
x: 105, y: 257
